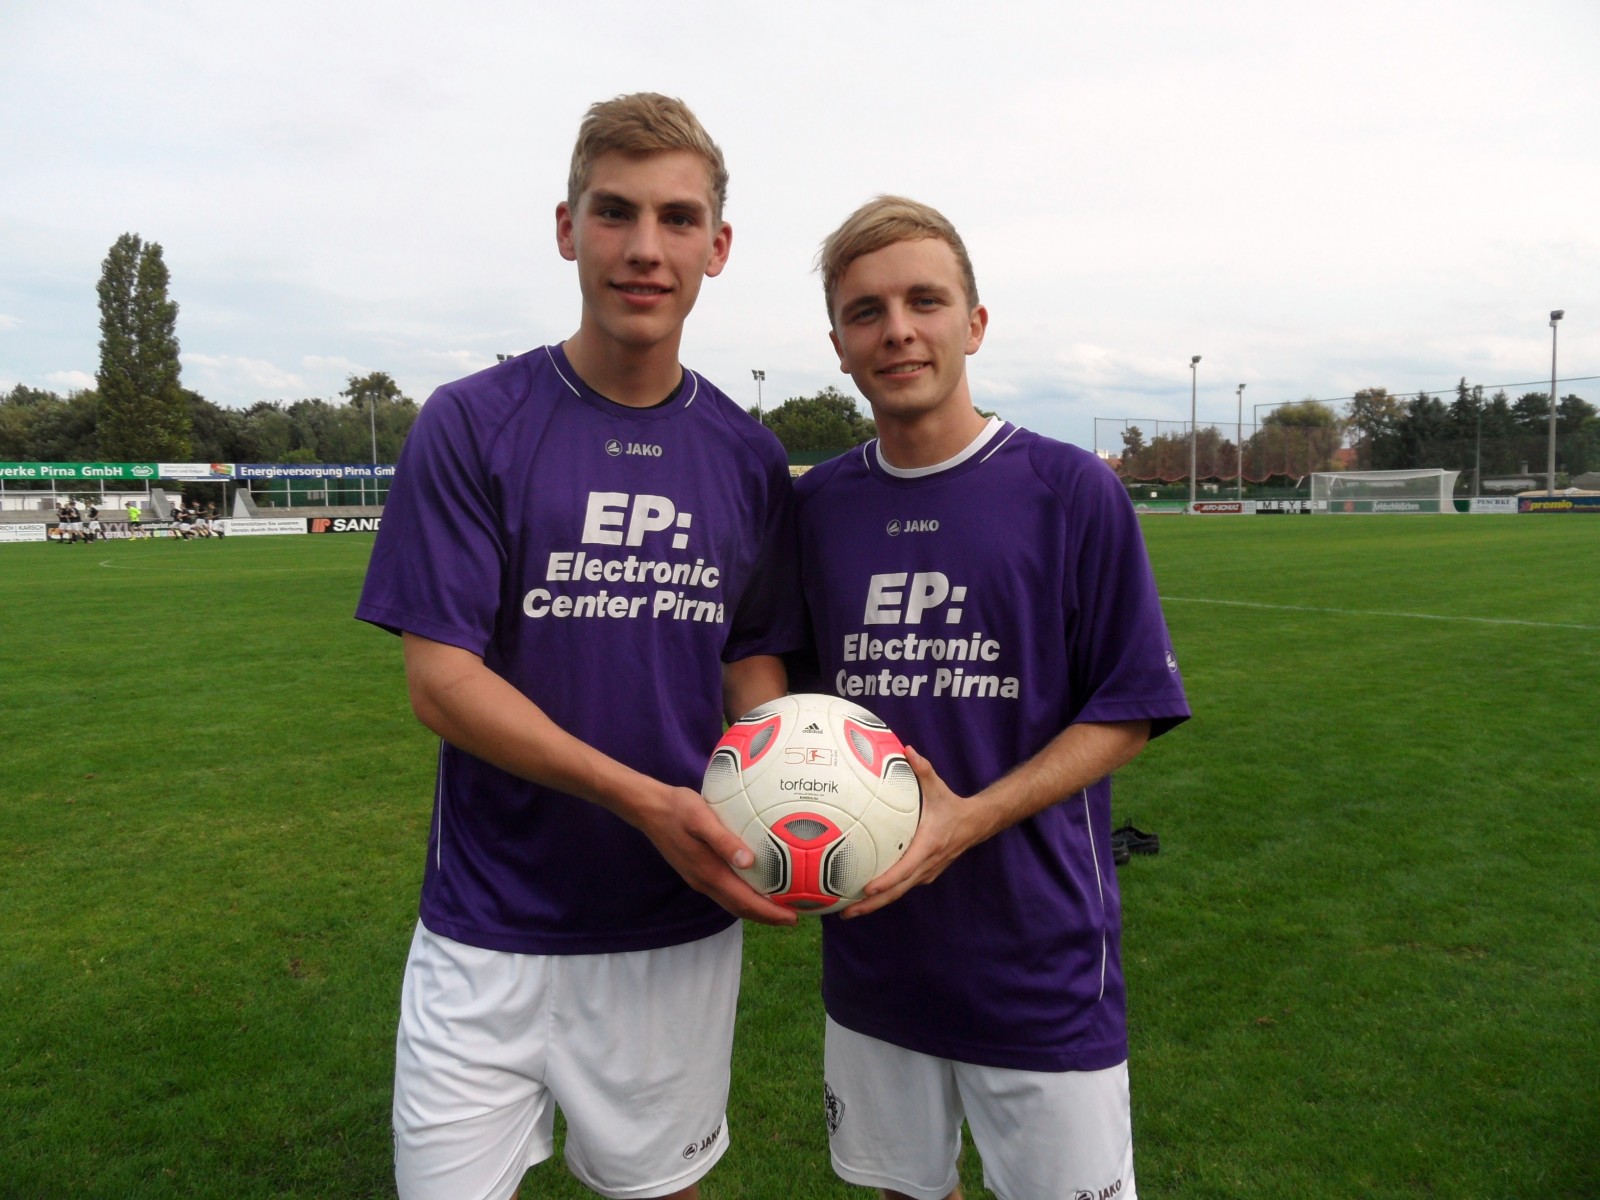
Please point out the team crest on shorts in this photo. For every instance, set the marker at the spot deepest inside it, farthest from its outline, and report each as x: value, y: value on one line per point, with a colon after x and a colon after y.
x: 832, y: 1107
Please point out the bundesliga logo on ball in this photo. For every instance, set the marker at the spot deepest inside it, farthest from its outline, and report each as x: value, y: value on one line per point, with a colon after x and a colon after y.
x: 821, y: 790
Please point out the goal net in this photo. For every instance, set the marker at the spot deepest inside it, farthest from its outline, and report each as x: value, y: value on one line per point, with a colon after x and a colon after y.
x: 1419, y: 491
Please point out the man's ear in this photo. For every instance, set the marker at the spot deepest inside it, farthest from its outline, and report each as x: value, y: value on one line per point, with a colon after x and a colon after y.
x: 721, y: 245
x: 979, y: 322
x: 565, y: 219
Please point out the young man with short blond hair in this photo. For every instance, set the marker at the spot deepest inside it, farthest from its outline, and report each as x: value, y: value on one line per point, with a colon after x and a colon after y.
x: 588, y: 550
x: 985, y: 591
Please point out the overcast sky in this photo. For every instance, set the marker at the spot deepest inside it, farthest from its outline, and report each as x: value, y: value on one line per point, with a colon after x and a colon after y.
x: 1313, y: 198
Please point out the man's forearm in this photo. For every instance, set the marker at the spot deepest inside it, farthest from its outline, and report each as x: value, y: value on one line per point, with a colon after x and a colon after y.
x: 1077, y: 757
x: 454, y: 694
x: 751, y: 682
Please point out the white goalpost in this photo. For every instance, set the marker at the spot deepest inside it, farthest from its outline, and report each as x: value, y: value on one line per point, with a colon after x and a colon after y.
x: 1426, y: 490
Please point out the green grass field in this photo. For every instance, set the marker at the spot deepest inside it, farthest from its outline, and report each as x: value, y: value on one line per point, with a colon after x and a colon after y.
x: 1364, y: 964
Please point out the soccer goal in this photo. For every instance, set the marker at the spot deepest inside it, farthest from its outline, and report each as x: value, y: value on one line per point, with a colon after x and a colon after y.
x: 1427, y: 490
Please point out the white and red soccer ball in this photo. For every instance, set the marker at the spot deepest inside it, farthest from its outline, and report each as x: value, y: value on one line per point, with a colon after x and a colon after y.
x: 821, y: 791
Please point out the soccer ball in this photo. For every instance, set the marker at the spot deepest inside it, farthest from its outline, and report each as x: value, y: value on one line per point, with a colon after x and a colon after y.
x: 821, y: 790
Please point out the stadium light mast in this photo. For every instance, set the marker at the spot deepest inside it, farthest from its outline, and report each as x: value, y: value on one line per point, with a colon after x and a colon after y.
x: 760, y: 377
x: 1238, y: 440
x: 1550, y: 481
x: 1194, y: 376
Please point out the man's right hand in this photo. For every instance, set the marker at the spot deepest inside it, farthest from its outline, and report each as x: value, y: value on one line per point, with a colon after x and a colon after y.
x: 681, y: 825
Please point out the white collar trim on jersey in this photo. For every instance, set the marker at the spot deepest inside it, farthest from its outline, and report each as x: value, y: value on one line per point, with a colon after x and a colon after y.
x: 976, y: 444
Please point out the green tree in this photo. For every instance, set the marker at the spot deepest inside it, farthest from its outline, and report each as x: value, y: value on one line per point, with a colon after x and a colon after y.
x: 20, y: 410
x: 1532, y: 411
x: 1466, y: 409
x: 384, y: 411
x: 312, y: 424
x: 1371, y: 423
x: 1132, y: 444
x: 1578, y: 435
x: 1425, y: 427
x: 1295, y: 439
x: 65, y: 430
x: 268, y: 434
x: 143, y: 413
x: 216, y: 433
x: 827, y: 421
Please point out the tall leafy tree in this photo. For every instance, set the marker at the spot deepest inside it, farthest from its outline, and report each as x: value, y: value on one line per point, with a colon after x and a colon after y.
x: 1467, y: 409
x: 268, y: 434
x: 1532, y: 411
x: 216, y: 434
x: 380, y: 409
x: 1132, y: 443
x: 1371, y: 421
x: 1294, y: 439
x: 144, y: 414
x: 827, y: 421
x: 64, y: 430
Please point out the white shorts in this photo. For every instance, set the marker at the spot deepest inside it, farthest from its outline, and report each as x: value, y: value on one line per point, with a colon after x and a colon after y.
x: 634, y: 1048
x: 894, y: 1121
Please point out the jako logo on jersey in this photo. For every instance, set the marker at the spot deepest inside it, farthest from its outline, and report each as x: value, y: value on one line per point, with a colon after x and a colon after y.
x: 646, y: 449
x: 898, y: 527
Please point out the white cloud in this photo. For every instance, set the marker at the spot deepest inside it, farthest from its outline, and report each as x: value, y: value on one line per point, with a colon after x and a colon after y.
x: 207, y: 373
x: 1299, y: 194
x: 69, y: 381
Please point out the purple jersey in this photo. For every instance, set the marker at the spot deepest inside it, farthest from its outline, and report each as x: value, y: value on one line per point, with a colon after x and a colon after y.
x: 605, y: 560
x: 980, y: 610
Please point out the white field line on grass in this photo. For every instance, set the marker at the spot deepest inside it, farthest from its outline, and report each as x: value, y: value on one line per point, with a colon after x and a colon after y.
x: 1367, y: 612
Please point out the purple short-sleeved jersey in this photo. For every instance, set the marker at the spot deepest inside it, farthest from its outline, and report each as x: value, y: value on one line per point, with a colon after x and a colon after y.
x: 980, y: 610
x: 606, y: 561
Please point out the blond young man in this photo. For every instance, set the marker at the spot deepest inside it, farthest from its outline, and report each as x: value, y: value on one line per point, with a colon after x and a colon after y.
x: 588, y: 551
x: 985, y: 591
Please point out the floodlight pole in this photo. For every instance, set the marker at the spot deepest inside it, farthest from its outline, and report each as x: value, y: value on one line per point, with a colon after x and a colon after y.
x: 1194, y: 375
x: 1550, y: 484
x: 1238, y: 440
x: 372, y: 420
x: 760, y: 377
